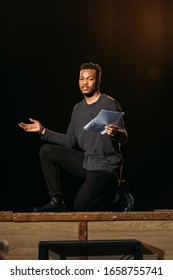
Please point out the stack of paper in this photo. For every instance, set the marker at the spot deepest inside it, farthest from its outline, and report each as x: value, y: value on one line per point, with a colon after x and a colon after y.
x: 105, y: 117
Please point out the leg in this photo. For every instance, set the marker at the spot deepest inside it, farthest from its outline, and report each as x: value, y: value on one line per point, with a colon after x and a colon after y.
x: 51, y: 157
x: 98, y: 193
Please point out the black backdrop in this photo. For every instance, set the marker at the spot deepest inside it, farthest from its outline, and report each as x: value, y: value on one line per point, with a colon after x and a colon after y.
x: 44, y: 43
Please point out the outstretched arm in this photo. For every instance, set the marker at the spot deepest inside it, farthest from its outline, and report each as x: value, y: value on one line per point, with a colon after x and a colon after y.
x: 68, y: 139
x: 34, y: 126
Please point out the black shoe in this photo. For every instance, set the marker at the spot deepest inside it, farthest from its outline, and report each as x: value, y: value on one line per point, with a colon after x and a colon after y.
x: 126, y: 198
x: 55, y: 205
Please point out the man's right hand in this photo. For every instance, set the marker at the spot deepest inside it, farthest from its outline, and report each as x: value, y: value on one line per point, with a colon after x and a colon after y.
x: 34, y: 126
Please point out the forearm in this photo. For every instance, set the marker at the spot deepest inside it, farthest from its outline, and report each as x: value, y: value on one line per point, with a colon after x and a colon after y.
x: 58, y: 138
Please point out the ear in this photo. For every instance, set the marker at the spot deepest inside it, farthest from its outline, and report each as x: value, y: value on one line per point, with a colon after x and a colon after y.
x: 99, y: 81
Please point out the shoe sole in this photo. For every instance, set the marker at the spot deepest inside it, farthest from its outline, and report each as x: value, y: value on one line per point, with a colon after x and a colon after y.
x: 129, y: 208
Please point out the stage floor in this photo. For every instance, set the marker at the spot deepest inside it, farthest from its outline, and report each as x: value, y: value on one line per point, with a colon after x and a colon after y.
x: 23, y: 231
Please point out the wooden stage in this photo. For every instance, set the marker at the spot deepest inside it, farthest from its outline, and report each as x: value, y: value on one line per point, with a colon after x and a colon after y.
x: 23, y: 231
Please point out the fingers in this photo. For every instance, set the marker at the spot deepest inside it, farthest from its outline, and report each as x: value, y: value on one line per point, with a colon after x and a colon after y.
x: 34, y: 126
x: 23, y: 126
x: 111, y: 129
x: 32, y: 120
x: 112, y: 126
x: 31, y: 127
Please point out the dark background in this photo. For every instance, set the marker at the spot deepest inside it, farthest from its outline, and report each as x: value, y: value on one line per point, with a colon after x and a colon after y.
x: 43, y: 45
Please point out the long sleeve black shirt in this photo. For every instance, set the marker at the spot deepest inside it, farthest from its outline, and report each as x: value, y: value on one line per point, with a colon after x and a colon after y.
x: 102, y: 152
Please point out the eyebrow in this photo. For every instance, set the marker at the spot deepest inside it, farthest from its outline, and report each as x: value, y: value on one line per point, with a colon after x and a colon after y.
x: 87, y: 76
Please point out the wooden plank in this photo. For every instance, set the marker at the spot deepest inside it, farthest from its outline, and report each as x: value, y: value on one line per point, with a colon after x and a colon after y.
x: 23, y: 238
x: 156, y: 234
x: 6, y: 216
x: 92, y: 216
x: 83, y: 234
x: 26, y: 229
x: 82, y: 230
x: 149, y: 249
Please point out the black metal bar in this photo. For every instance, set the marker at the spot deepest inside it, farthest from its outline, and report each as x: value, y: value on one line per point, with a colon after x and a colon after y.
x: 90, y: 248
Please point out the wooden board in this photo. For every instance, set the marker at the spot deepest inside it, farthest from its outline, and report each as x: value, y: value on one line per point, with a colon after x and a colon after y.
x: 23, y: 231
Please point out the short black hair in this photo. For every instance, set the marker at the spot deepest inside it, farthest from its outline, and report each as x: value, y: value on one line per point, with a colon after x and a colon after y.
x: 91, y: 65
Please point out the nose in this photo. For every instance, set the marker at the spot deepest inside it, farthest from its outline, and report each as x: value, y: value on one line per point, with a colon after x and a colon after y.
x: 85, y: 82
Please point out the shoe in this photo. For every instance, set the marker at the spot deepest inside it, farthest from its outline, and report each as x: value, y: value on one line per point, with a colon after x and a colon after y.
x: 126, y: 198
x: 55, y: 205
x: 127, y: 205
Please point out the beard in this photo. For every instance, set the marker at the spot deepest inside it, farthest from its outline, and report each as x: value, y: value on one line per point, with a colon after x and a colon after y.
x: 91, y: 93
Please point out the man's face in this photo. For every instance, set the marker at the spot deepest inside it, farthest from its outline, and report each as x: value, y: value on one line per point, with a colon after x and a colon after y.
x: 88, y: 82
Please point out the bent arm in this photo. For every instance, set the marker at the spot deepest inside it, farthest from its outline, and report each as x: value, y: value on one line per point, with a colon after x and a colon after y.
x: 68, y: 139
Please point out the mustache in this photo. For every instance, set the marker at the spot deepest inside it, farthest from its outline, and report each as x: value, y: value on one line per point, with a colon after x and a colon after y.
x: 91, y: 93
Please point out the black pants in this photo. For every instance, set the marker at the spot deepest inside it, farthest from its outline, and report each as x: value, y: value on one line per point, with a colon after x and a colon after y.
x: 98, y: 191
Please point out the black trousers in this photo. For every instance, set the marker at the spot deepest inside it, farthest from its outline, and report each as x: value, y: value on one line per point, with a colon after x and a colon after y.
x: 99, y: 189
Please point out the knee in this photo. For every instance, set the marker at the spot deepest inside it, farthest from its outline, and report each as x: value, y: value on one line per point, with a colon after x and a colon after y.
x: 44, y: 151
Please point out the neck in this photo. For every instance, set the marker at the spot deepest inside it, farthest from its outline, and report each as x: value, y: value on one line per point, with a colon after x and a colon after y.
x: 93, y: 98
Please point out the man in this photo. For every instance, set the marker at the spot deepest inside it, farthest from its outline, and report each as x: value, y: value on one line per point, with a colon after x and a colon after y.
x: 94, y: 157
